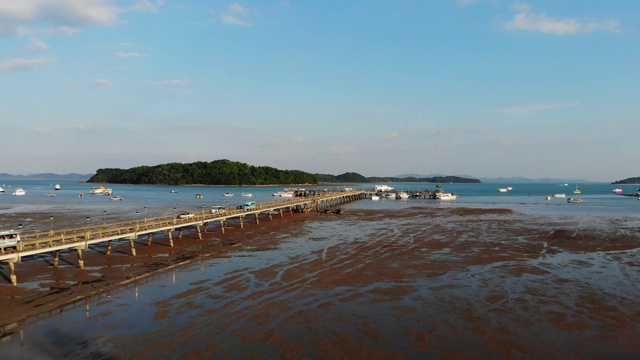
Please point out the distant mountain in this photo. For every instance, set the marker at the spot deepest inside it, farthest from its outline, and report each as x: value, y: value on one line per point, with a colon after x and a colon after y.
x: 509, y: 180
x: 632, y: 180
x: 47, y: 176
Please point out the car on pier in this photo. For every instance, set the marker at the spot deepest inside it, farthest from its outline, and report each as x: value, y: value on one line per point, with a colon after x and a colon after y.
x: 186, y: 215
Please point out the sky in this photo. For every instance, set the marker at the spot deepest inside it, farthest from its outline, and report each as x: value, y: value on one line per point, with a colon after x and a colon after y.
x: 485, y: 88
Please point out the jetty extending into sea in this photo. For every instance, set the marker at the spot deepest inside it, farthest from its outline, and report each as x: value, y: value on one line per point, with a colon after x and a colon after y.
x: 80, y: 238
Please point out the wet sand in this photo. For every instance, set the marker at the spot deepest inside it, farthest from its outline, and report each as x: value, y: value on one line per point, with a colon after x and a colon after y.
x: 422, y: 282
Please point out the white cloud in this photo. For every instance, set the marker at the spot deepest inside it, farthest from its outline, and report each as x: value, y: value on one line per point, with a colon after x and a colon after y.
x: 61, y: 30
x: 64, y: 14
x: 121, y: 54
x: 523, y: 110
x: 528, y: 21
x: 237, y: 8
x: 175, y: 82
x: 36, y: 46
x: 231, y: 20
x: 22, y: 64
x: 101, y: 82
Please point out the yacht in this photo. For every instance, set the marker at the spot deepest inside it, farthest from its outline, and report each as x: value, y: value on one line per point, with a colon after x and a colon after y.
x: 19, y: 191
x: 97, y: 190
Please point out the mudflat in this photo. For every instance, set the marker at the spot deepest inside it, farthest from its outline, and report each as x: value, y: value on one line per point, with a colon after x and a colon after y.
x: 434, y: 282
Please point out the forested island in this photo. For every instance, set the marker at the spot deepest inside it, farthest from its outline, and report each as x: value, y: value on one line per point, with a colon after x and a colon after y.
x: 631, y: 180
x: 227, y: 172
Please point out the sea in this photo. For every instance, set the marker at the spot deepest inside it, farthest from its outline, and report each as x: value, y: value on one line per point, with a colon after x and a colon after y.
x: 534, y: 283
x: 141, y: 201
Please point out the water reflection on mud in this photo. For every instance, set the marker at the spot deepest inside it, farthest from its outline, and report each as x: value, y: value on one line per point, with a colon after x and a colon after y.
x: 448, y: 282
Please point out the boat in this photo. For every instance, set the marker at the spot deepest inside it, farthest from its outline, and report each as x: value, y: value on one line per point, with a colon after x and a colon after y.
x: 403, y: 195
x: 559, y: 195
x: 97, y: 190
x: 199, y: 196
x: 577, y: 191
x: 56, y: 187
x: 375, y: 197
x: 173, y: 191
x: 1, y: 189
x: 445, y: 196
x: 218, y: 209
x: 108, y: 192
x: 382, y: 188
x: 503, y: 190
x: 575, y: 201
x: 116, y: 198
x: 283, y: 193
x: 617, y: 191
x: 247, y: 194
x: 9, y: 238
x: 509, y: 188
x: 548, y: 197
x: 19, y: 191
x: 391, y: 196
x: 228, y: 194
x: 51, y: 194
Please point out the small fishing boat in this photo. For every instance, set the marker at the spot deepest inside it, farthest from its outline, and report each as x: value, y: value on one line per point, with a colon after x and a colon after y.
x: 247, y: 194
x: 56, y: 187
x: 19, y: 192
x: 228, y: 194
x: 617, y: 191
x: 575, y: 201
x: 116, y: 198
x: 173, y: 191
x: 199, y: 196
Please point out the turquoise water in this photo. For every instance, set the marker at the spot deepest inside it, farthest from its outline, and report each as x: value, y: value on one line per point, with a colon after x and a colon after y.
x: 148, y: 201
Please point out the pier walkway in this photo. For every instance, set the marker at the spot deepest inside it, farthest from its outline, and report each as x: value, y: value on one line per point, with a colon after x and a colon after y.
x: 80, y: 238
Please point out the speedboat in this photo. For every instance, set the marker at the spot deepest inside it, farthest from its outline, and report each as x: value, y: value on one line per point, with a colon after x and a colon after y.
x: 445, y: 196
x: 56, y: 187
x: 1, y: 189
x: 503, y: 190
x: 548, y: 197
x: 173, y: 191
x: 559, y: 195
x: 617, y: 191
x: 403, y: 195
x: 116, y: 198
x: 19, y: 191
x: 575, y: 201
x: 375, y: 197
x: 247, y: 194
x: 228, y: 194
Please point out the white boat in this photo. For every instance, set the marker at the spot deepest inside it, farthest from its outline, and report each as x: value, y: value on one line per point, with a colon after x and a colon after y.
x: 173, y: 191
x: 199, y: 196
x: 559, y: 195
x: 575, y: 201
x: 446, y: 196
x: 228, y: 194
x: 509, y: 188
x: 9, y: 238
x: 617, y: 191
x: 218, y: 209
x: 375, y: 197
x: 403, y: 195
x: 19, y: 191
x: 548, y: 197
x: 116, y: 198
x: 247, y: 194
x: 503, y: 190
x: 283, y: 193
x: 97, y: 190
x: 382, y: 188
x: 391, y: 195
x: 1, y: 189
x: 108, y: 192
x: 51, y: 194
x: 56, y: 187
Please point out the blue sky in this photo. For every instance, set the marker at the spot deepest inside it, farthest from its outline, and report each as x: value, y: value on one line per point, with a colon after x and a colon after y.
x: 487, y: 88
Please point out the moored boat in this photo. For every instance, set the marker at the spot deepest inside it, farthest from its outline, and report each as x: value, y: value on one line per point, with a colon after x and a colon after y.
x: 559, y: 195
x: 56, y: 187
x: 382, y: 188
x: 617, y: 191
x: 375, y: 197
x: 19, y: 191
x: 97, y: 190
x: 283, y: 193
x: 247, y: 194
x: 116, y: 198
x: 575, y: 201
x: 228, y: 194
x: 1, y: 189
x: 403, y: 195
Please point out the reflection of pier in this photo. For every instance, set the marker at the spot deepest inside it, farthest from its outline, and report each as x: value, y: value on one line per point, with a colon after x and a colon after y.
x: 80, y: 238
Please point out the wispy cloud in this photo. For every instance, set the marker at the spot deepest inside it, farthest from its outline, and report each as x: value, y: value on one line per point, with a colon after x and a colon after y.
x: 16, y: 15
x: 175, y: 82
x: 121, y: 54
x: 61, y: 30
x: 101, y: 82
x: 526, y: 20
x: 527, y: 109
x: 391, y: 135
x: 36, y: 46
x: 230, y: 17
x: 22, y: 64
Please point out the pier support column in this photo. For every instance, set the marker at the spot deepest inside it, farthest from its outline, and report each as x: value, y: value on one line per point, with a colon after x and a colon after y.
x: 222, y: 226
x: 12, y: 273
x: 109, y: 247
x: 257, y: 220
x: 205, y: 227
x: 133, y: 247
x: 180, y: 233
x: 56, y: 259
x: 199, y: 232
x: 149, y: 239
x: 241, y: 221
x: 170, y: 238
x: 270, y: 216
x: 80, y: 259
